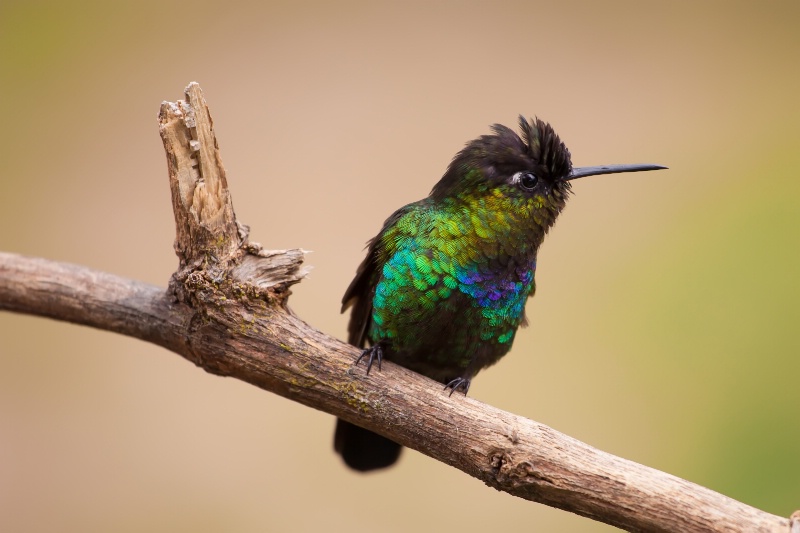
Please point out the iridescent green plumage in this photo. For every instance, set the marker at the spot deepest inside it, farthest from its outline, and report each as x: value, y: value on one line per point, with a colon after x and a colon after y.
x: 447, y: 260
x: 443, y: 288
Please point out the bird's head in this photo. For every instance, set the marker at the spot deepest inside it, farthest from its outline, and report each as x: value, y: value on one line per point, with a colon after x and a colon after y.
x: 528, y: 173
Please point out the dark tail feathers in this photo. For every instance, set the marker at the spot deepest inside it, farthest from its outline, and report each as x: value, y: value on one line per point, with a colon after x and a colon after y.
x: 362, y: 449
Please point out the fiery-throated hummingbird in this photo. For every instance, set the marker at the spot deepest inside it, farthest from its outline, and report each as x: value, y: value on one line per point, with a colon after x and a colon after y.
x: 443, y: 288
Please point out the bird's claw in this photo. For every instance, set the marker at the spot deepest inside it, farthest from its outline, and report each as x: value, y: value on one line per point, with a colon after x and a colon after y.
x: 374, y: 352
x: 458, y: 383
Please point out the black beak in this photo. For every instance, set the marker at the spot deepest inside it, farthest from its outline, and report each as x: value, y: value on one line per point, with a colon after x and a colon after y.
x: 608, y: 169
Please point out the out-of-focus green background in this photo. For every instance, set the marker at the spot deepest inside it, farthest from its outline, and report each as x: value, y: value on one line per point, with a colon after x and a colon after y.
x: 664, y: 330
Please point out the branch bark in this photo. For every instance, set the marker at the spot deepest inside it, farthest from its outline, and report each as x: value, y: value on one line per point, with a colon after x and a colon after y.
x: 225, y: 310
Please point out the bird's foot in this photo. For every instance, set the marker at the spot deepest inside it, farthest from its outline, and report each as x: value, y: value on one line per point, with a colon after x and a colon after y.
x: 458, y: 383
x: 373, y: 353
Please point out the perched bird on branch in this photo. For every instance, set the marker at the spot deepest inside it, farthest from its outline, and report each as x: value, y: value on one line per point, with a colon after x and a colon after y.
x: 443, y: 288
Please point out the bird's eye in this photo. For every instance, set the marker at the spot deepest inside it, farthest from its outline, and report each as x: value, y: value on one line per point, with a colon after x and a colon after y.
x: 526, y: 180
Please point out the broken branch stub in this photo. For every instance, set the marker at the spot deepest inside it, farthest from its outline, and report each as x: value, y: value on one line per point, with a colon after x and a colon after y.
x: 209, y: 241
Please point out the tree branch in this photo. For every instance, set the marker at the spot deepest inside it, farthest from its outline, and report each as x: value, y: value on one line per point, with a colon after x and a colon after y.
x: 225, y: 310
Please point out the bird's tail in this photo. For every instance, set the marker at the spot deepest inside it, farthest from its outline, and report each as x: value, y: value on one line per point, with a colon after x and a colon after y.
x: 362, y: 449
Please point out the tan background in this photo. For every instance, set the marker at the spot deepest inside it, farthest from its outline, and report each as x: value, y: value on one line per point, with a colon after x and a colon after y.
x: 665, y: 328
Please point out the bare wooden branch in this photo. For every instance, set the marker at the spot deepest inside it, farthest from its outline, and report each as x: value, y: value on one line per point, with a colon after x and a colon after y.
x: 225, y: 311
x: 204, y: 220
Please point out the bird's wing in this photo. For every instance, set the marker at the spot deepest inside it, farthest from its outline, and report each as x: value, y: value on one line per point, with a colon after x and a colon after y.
x: 362, y: 289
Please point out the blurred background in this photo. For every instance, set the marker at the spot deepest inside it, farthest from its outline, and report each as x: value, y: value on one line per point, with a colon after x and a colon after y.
x: 664, y: 330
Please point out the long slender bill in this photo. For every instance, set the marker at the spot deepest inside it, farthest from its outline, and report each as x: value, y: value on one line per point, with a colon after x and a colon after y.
x: 609, y: 169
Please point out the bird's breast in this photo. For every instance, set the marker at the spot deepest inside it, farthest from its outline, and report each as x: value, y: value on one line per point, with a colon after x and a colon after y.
x: 438, y: 309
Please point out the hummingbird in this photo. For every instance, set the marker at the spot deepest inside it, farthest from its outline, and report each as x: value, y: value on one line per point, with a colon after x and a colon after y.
x: 443, y: 287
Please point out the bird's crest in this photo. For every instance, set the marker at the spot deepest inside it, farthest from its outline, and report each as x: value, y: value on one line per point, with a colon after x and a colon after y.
x: 545, y: 147
x: 503, y: 153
